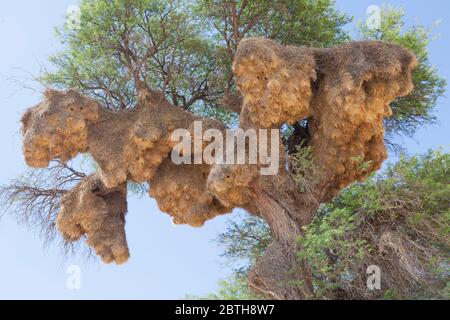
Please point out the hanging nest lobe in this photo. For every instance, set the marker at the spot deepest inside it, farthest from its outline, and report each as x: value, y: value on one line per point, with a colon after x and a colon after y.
x: 92, y: 210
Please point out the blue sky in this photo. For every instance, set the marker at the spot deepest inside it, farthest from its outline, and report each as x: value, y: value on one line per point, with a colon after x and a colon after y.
x: 166, y: 262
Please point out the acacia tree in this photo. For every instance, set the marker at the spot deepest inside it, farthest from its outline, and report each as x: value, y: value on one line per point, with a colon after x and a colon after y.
x: 143, y: 68
x: 346, y: 235
x: 397, y: 219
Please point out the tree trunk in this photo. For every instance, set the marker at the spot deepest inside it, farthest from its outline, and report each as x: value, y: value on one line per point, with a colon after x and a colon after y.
x: 279, y: 274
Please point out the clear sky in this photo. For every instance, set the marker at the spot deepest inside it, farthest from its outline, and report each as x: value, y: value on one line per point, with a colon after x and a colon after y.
x: 166, y: 262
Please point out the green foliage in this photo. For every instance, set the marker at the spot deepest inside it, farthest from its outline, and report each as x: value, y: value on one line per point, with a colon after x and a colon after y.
x: 398, y: 220
x: 325, y: 239
x: 303, y: 168
x: 390, y: 294
x: 299, y: 22
x: 414, y: 110
x: 114, y: 34
x: 185, y: 49
x: 314, y: 23
x: 232, y: 288
x: 254, y: 235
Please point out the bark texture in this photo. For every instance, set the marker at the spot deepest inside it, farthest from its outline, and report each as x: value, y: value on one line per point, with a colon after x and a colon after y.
x: 343, y: 92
